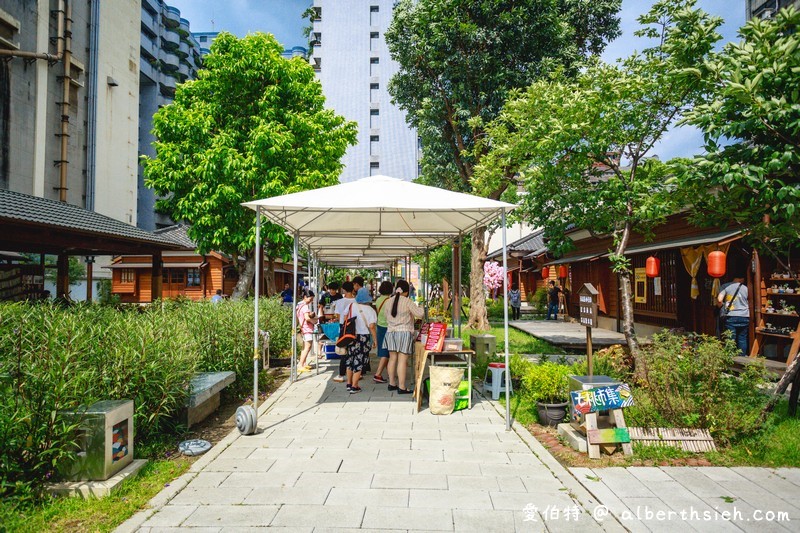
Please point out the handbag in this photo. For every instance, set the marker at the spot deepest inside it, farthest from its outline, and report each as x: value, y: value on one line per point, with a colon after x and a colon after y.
x: 348, y: 334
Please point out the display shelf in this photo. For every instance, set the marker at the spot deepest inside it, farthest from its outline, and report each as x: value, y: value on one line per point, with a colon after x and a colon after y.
x: 776, y: 293
x: 781, y: 335
x: 789, y: 315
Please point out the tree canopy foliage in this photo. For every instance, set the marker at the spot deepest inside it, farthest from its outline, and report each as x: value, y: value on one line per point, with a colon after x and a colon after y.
x: 580, y: 145
x: 751, y: 123
x: 459, y: 61
x: 251, y: 126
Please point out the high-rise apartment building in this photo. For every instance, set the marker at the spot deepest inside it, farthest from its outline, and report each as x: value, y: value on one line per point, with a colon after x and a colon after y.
x: 69, y: 76
x: 169, y: 55
x: 354, y: 66
x: 767, y: 8
x: 205, y: 38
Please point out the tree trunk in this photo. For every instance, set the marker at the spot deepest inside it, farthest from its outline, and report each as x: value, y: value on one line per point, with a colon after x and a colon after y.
x: 477, y: 298
x: 627, y: 305
x: 246, y: 277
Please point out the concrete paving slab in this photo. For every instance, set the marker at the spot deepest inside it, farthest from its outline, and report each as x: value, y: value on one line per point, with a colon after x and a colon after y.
x: 260, y: 479
x: 358, y: 480
x: 410, y: 481
x: 211, y: 496
x: 288, y: 495
x: 171, y: 516
x: 410, y: 519
x: 450, y: 499
x: 345, y: 516
x: 369, y: 497
x: 484, y: 483
x: 232, y: 515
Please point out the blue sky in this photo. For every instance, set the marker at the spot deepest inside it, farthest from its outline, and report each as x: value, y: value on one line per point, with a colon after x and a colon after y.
x: 282, y: 18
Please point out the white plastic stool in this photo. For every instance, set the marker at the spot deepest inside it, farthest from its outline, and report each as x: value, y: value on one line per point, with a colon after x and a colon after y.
x: 497, y: 383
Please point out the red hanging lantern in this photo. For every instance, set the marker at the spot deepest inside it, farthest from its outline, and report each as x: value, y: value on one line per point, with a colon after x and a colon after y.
x: 652, y: 267
x: 562, y: 271
x: 545, y: 272
x: 716, y: 264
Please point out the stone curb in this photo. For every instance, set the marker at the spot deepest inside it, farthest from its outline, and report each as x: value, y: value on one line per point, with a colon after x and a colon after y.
x: 176, y: 486
x: 576, y: 490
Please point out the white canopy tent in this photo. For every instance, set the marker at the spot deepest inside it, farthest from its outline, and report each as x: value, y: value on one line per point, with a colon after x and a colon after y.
x: 373, y: 221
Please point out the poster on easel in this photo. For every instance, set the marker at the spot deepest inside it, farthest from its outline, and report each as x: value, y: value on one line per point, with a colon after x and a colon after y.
x: 437, y: 331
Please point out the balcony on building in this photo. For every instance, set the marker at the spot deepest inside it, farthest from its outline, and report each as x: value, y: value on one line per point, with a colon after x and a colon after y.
x: 183, y: 50
x: 169, y: 60
x: 168, y: 82
x: 184, y: 29
x: 183, y: 69
x: 147, y: 70
x: 172, y: 37
x: 149, y: 22
x: 172, y: 17
x: 148, y: 46
x: 151, y: 6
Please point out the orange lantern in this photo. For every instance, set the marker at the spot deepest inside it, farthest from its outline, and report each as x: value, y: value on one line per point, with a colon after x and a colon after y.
x: 545, y: 272
x: 562, y: 271
x: 652, y: 267
x: 716, y: 264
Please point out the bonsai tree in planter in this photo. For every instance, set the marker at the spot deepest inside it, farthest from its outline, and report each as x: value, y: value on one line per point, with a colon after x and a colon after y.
x: 547, y: 385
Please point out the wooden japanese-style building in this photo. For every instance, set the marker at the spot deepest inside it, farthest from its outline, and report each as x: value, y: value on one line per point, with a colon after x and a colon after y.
x: 41, y: 226
x: 184, y: 272
x: 682, y: 296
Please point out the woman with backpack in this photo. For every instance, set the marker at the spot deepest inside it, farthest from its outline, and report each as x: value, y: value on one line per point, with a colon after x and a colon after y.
x: 400, y: 314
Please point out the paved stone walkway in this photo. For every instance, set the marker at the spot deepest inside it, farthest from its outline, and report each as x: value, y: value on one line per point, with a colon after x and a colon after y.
x: 567, y: 334
x: 698, y: 498
x: 327, y: 460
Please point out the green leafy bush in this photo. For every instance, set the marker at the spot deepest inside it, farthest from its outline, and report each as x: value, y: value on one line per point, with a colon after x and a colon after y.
x: 688, y: 383
x: 614, y: 362
x: 55, y: 360
x: 546, y: 383
x: 538, y: 300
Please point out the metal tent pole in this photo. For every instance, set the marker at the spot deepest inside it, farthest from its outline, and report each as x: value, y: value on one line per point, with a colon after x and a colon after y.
x: 505, y: 322
x: 294, y: 314
x: 255, y: 321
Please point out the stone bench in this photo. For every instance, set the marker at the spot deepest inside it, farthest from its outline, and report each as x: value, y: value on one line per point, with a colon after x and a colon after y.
x: 204, y: 396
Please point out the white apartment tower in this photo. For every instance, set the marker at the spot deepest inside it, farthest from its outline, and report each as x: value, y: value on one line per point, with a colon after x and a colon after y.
x: 354, y: 67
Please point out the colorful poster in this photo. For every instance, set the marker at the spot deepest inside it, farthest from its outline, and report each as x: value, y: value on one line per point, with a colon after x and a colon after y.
x: 601, y: 399
x: 436, y: 334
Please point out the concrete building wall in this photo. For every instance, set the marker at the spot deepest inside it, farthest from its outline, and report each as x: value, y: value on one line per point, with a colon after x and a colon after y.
x: 117, y: 133
x: 767, y: 8
x: 351, y: 59
x: 32, y: 93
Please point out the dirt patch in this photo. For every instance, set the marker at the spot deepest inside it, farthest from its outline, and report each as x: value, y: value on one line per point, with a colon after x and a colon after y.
x: 569, y: 457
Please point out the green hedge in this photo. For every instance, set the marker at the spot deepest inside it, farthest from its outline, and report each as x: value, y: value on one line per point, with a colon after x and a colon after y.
x: 55, y: 359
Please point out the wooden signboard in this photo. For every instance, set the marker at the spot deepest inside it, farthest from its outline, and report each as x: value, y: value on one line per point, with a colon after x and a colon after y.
x: 608, y: 436
x: 587, y: 305
x: 601, y: 399
x: 436, y: 335
x: 640, y: 285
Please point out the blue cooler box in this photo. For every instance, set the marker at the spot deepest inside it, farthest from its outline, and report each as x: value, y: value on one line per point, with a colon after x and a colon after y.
x: 329, y: 351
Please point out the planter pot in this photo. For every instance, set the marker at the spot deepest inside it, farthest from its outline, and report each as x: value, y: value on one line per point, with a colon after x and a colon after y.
x: 552, y: 414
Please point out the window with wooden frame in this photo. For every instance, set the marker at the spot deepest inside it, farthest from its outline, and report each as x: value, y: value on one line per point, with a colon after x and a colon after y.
x: 661, y: 300
x: 177, y: 275
x: 192, y: 277
x: 127, y: 275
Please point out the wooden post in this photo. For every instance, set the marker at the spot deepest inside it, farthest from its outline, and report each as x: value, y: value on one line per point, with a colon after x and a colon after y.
x: 591, y: 424
x: 62, y: 276
x: 589, y: 350
x: 89, y: 281
x: 155, y: 282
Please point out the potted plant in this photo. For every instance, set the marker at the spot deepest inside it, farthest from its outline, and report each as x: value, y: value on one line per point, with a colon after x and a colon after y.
x: 547, y: 385
x: 770, y: 307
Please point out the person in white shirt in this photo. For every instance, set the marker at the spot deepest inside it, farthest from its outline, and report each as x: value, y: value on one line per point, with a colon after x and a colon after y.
x: 400, y: 313
x: 341, y: 307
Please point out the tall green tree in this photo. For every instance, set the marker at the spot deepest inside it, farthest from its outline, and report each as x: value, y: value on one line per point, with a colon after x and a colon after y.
x: 251, y: 126
x: 581, y: 145
x: 459, y: 60
x: 750, y: 173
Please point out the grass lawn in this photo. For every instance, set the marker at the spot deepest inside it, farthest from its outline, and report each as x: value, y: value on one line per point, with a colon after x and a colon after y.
x: 76, y: 514
x: 776, y: 445
x: 519, y: 341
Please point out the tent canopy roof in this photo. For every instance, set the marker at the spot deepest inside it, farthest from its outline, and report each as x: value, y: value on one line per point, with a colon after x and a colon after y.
x: 377, y: 219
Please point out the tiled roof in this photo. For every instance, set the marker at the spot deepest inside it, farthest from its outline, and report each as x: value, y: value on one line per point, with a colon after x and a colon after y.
x: 41, y: 211
x: 531, y: 243
x: 178, y: 234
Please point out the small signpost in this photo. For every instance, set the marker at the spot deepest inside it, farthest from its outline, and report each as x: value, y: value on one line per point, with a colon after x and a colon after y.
x: 612, y: 399
x: 587, y: 304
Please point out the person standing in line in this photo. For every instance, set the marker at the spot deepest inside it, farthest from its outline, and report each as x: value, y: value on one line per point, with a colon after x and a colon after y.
x: 359, y: 290
x: 330, y: 297
x: 341, y: 308
x: 358, y: 351
x: 400, y: 314
x: 552, y: 301
x: 385, y: 290
x: 306, y: 318
x: 515, y: 301
x: 733, y: 299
